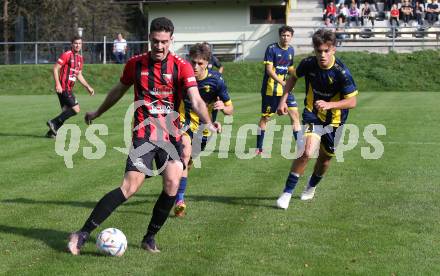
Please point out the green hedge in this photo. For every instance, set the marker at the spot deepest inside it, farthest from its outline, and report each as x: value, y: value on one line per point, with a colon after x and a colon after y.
x: 417, y: 71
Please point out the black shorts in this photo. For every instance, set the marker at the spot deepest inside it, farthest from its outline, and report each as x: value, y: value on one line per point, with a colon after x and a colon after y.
x: 143, y: 152
x: 67, y: 99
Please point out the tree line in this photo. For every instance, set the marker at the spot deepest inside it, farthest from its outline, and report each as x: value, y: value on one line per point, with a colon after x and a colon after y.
x: 59, y: 20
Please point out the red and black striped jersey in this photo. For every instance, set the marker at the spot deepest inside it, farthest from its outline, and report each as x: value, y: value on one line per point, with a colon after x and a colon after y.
x: 159, y: 87
x: 71, y: 65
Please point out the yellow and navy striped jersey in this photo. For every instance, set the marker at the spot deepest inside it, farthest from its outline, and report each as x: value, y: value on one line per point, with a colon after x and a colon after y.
x: 329, y: 84
x: 211, y: 87
x: 282, y: 61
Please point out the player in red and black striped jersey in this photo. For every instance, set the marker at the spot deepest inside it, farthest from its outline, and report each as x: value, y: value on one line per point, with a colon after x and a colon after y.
x: 66, y: 71
x: 161, y: 80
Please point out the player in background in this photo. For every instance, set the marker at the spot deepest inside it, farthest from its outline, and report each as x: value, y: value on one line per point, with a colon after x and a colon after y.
x: 214, y: 62
x: 278, y: 61
x: 161, y: 80
x: 66, y: 71
x: 215, y: 94
x: 330, y: 93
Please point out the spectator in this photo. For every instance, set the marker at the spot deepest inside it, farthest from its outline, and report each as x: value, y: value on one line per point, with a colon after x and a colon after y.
x: 330, y: 12
x: 407, y: 12
x: 394, y: 15
x: 342, y: 14
x: 328, y: 25
x: 353, y: 14
x: 432, y: 11
x: 119, y: 49
x: 368, y: 14
x: 419, y: 10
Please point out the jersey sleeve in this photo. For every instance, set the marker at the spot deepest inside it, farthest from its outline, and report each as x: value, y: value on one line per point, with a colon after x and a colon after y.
x: 186, y: 76
x: 301, y: 70
x: 216, y: 62
x: 348, y: 88
x: 128, y: 75
x: 63, y: 58
x: 291, y: 68
x: 222, y: 91
x: 269, y: 56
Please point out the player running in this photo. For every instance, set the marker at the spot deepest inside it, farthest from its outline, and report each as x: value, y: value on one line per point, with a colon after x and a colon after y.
x: 330, y: 92
x: 66, y: 71
x: 214, y: 93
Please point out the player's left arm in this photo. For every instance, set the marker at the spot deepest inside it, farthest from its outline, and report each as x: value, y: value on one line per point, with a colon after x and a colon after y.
x: 349, y: 92
x: 223, y: 101
x: 83, y: 81
x: 346, y: 103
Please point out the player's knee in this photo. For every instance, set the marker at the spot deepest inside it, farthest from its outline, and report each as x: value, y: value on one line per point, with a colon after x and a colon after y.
x: 76, y: 109
x: 130, y: 186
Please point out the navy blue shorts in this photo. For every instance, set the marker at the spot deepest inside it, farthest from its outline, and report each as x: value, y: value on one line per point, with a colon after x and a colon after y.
x: 269, y: 104
x: 313, y: 126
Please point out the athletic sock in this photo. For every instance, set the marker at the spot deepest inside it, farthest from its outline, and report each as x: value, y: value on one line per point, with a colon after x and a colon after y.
x: 161, y: 211
x: 314, y: 180
x: 181, y: 191
x: 295, y: 135
x: 103, y: 209
x: 260, y: 138
x: 291, y: 182
x: 66, y: 114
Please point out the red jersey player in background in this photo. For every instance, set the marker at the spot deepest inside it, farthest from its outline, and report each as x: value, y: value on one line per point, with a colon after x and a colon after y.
x: 66, y: 71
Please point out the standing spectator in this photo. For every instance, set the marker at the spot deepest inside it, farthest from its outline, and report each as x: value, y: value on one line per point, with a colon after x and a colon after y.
x: 432, y: 11
x: 394, y: 15
x: 353, y: 14
x: 368, y: 13
x: 120, y: 49
x: 407, y: 12
x: 419, y: 10
x: 330, y: 12
x: 213, y: 60
x: 66, y: 71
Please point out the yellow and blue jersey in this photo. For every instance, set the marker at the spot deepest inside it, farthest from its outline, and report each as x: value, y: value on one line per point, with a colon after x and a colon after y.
x: 282, y: 61
x: 210, y: 87
x: 329, y: 84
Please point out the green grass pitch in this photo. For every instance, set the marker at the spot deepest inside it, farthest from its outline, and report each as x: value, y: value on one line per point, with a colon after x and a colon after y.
x: 369, y: 217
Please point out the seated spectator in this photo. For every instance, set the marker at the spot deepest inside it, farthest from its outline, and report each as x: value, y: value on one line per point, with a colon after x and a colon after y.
x: 342, y: 14
x: 390, y: 3
x: 394, y: 15
x: 330, y: 12
x: 368, y: 13
x: 407, y: 12
x: 432, y: 11
x: 328, y: 25
x: 353, y: 14
x: 419, y: 9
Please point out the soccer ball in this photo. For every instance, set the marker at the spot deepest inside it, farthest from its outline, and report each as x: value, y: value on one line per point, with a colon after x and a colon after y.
x: 111, y: 241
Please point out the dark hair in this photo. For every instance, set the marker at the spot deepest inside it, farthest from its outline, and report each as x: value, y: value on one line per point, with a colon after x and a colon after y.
x: 76, y: 37
x: 284, y: 29
x: 162, y: 24
x: 200, y: 50
x: 323, y: 36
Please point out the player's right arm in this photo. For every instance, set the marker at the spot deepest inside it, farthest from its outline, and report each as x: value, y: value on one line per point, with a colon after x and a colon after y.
x: 115, y: 93
x: 56, y: 77
x: 273, y: 75
x: 290, y: 84
x: 113, y: 96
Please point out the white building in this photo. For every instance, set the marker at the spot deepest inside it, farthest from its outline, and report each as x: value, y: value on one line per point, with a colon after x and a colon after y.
x: 236, y: 29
